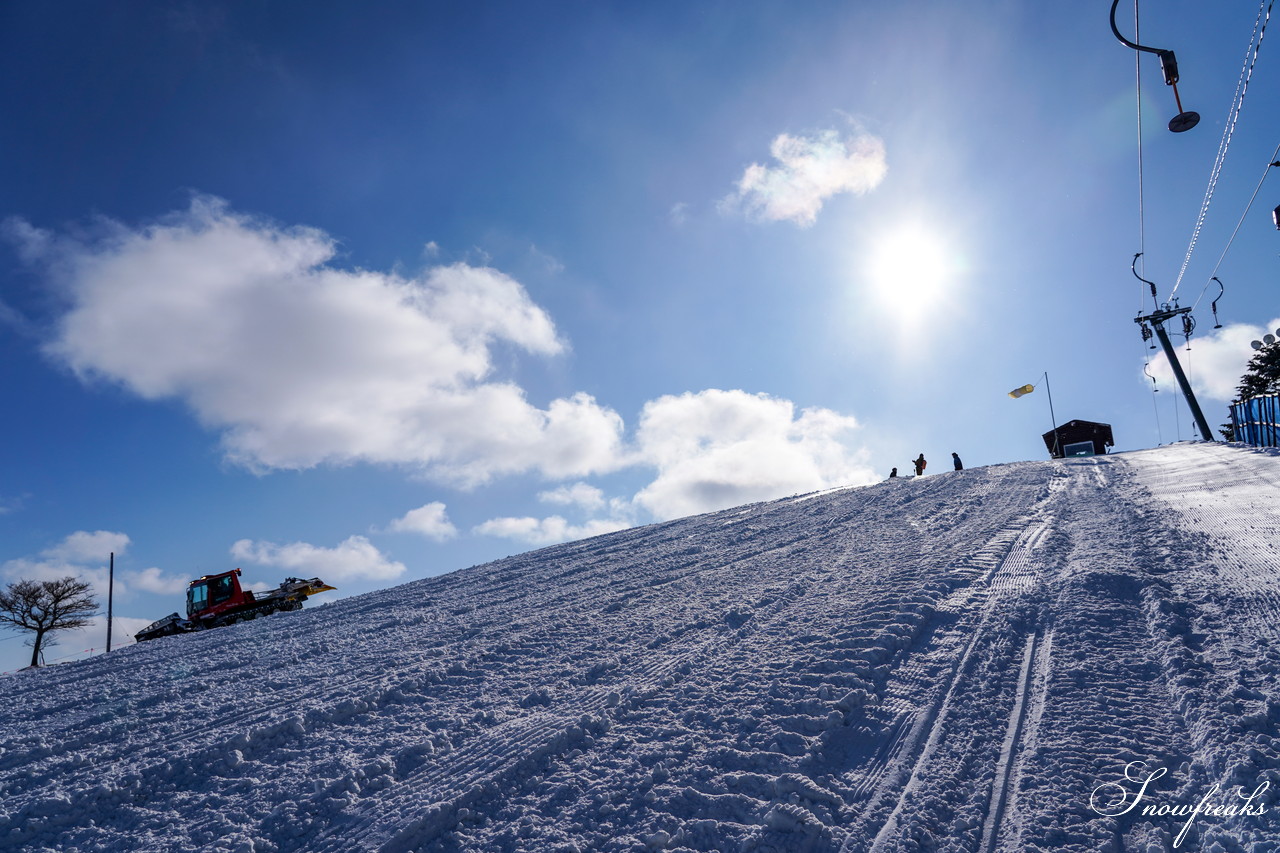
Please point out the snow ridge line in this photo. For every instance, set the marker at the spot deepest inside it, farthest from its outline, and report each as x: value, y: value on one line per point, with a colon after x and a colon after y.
x: 1009, y: 749
x: 963, y: 592
x: 1036, y: 698
x: 930, y: 720
x: 1008, y: 563
x: 887, y: 755
x: 1117, y: 555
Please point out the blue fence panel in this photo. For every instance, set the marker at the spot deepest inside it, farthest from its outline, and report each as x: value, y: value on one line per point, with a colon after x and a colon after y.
x: 1257, y: 421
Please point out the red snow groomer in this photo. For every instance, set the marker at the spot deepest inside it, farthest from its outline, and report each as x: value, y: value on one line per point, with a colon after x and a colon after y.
x: 217, y: 600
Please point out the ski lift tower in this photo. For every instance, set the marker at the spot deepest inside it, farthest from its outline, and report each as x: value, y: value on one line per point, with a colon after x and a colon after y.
x: 1157, y: 319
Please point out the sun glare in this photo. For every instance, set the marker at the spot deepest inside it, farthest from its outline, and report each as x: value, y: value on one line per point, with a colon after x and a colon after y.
x: 910, y: 269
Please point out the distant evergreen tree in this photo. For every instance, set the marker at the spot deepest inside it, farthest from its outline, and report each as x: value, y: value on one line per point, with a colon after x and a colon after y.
x: 1262, y: 376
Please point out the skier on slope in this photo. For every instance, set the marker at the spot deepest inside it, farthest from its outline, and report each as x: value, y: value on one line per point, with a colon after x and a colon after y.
x: 956, y: 460
x: 920, y: 465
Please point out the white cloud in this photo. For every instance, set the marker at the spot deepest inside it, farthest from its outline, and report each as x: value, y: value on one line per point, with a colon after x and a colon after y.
x: 33, y: 243
x: 546, y: 260
x: 299, y: 363
x: 83, y: 546
x: 555, y: 528
x: 429, y: 520
x: 10, y: 317
x: 1216, y: 361
x: 354, y: 559
x: 154, y: 580
x: 547, y: 531
x: 578, y: 494
x: 809, y: 170
x: 37, y: 569
x: 717, y: 449
x: 85, y: 555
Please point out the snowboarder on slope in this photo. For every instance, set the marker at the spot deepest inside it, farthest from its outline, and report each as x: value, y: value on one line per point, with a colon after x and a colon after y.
x: 956, y: 459
x: 920, y: 463
x: 893, y: 474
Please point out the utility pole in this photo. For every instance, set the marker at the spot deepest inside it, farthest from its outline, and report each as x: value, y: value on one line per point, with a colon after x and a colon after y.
x: 1157, y: 320
x: 111, y: 588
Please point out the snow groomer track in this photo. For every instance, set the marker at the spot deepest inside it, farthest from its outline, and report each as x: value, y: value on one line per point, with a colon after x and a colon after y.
x: 956, y: 662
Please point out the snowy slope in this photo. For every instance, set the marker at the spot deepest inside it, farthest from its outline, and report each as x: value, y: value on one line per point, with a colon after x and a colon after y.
x: 952, y: 663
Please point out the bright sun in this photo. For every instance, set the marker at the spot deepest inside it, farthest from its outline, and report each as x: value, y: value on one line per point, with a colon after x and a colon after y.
x: 910, y: 269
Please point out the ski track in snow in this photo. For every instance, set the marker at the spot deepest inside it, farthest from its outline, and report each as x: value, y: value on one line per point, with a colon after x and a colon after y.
x: 948, y: 663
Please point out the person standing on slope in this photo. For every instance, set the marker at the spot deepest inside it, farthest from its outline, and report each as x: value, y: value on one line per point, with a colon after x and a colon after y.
x: 920, y: 464
x: 956, y: 459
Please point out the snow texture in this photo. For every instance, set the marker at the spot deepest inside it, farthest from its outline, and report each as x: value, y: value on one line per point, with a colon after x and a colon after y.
x: 956, y: 662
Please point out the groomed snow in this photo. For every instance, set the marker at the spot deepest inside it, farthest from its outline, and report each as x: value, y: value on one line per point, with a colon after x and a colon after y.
x: 956, y: 662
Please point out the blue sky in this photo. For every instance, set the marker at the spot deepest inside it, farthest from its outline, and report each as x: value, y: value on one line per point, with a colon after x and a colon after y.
x: 377, y: 293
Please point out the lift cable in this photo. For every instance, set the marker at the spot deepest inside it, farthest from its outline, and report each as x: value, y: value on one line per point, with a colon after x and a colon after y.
x: 1142, y: 234
x: 1237, y: 103
x: 1177, y: 416
x: 1142, y: 212
x: 1212, y: 276
x: 1155, y: 387
x: 1155, y: 401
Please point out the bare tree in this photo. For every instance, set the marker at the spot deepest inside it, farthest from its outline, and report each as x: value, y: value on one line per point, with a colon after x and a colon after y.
x: 44, y: 606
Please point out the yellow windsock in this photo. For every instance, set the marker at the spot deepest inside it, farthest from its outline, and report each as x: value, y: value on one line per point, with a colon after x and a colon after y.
x: 1018, y: 392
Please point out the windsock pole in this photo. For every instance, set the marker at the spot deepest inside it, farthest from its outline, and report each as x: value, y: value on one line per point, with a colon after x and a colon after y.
x: 1052, y: 417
